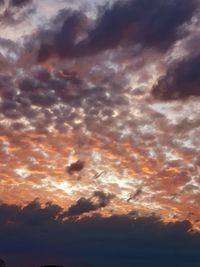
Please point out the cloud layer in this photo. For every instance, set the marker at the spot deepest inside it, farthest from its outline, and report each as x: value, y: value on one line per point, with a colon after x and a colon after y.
x: 99, y: 122
x: 134, y: 22
x: 181, y: 81
x: 93, y: 241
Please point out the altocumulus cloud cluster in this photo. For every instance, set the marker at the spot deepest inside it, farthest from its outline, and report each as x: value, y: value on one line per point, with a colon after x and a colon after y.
x: 113, y: 85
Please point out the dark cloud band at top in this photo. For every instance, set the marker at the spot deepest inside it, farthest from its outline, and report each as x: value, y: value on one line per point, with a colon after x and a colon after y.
x: 19, y: 3
x: 151, y: 24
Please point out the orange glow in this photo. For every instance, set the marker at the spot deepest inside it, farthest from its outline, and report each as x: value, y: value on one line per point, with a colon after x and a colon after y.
x: 37, y: 168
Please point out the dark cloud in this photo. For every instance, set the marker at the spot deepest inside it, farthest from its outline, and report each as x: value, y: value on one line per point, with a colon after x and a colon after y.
x: 76, y: 167
x: 64, y: 42
x: 16, y: 12
x: 8, y: 213
x: 83, y: 205
x: 34, y: 214
x: 150, y: 24
x: 181, y: 81
x: 153, y: 24
x: 102, y: 199
x: 2, y: 263
x: 69, y: 76
x: 135, y: 195
x: 19, y: 3
x: 120, y: 240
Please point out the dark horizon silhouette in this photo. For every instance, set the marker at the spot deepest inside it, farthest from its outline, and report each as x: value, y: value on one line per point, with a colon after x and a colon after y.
x: 2, y: 263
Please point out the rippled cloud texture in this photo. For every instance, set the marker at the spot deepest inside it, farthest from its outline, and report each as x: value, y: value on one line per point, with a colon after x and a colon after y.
x: 99, y: 132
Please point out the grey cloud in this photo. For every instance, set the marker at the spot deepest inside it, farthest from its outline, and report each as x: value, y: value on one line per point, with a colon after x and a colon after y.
x: 83, y: 205
x: 133, y: 22
x: 181, y: 81
x: 94, y: 241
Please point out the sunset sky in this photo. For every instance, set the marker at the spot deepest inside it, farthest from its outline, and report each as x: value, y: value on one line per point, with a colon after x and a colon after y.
x: 99, y: 133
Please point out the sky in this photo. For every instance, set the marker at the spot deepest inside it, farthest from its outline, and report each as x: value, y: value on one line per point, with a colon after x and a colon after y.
x: 99, y: 133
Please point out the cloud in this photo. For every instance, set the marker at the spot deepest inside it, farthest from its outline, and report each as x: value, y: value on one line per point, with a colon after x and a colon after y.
x: 2, y: 263
x: 135, y: 195
x: 75, y: 167
x: 98, y: 109
x: 83, y: 205
x: 33, y: 214
x: 19, y: 3
x: 15, y: 13
x: 151, y: 25
x: 95, y: 241
x: 8, y: 213
x: 181, y: 81
x: 64, y: 42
